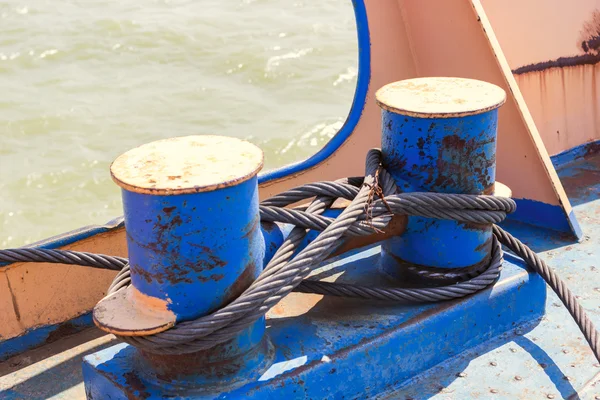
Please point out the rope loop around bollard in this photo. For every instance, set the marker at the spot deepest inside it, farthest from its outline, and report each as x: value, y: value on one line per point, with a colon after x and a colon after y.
x: 284, y: 273
x: 374, y: 199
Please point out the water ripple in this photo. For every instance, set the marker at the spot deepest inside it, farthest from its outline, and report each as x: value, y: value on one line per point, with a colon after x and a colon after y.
x: 84, y: 81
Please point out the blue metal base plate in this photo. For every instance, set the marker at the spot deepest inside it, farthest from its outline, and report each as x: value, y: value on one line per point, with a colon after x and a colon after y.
x: 334, y: 348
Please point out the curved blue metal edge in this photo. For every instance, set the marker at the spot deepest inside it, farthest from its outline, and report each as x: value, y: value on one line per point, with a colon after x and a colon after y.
x: 576, y: 153
x: 78, y: 234
x: 67, y: 238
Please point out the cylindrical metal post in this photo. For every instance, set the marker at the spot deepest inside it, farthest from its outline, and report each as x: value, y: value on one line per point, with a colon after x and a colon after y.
x: 439, y: 135
x: 194, y: 241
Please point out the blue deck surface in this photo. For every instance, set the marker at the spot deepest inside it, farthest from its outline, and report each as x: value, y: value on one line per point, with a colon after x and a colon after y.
x: 547, y: 359
x: 339, y: 346
x: 552, y: 360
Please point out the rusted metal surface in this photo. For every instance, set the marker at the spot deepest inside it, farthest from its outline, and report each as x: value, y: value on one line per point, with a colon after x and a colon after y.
x: 440, y: 97
x: 220, y: 368
x: 582, y: 183
x: 329, y: 347
x: 438, y: 136
x: 190, y: 253
x: 587, y: 45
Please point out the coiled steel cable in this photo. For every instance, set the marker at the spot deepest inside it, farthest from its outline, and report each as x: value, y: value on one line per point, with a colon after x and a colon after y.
x: 284, y: 274
x: 32, y: 254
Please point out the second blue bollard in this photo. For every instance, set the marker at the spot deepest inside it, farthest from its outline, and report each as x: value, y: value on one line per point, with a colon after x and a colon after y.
x: 439, y: 135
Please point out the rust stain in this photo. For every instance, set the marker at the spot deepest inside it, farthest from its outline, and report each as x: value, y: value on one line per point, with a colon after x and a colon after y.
x: 176, y: 274
x: 175, y: 222
x: 251, y: 227
x: 137, y: 270
x: 398, y: 161
x: 169, y: 210
x: 459, y: 161
x: 242, y: 282
x: 14, y: 299
x: 217, y: 277
x: 173, y: 273
x: 589, y: 36
x: 134, y: 382
x: 268, y: 226
x: 213, y: 277
x: 475, y: 226
x: 588, y: 42
x: 63, y: 330
x: 581, y: 184
x: 561, y: 62
x: 172, y: 269
x: 212, y: 363
x: 207, y: 265
x: 490, y: 190
x: 485, y: 246
x: 591, y: 149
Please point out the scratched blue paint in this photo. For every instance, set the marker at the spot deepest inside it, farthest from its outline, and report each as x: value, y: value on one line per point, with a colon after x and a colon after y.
x: 338, y: 350
x: 444, y: 155
x: 274, y: 233
x: 197, y: 251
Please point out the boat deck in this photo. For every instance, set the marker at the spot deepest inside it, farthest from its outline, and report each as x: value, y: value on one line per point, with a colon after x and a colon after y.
x: 547, y: 360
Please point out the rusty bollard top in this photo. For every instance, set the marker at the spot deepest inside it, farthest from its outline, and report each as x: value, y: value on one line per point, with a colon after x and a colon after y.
x: 189, y: 164
x: 440, y: 97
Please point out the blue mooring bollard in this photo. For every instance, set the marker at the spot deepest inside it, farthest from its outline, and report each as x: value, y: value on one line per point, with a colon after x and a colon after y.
x: 439, y: 135
x: 315, y: 347
x: 195, y: 244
